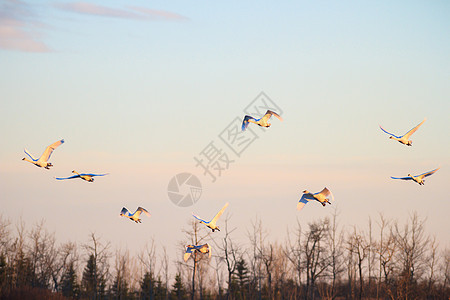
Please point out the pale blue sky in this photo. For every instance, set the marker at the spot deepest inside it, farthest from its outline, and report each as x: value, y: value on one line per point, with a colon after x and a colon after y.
x: 137, y: 90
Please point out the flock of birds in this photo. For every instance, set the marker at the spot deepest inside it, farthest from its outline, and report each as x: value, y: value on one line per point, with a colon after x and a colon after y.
x: 42, y: 162
x: 323, y: 197
x: 404, y: 139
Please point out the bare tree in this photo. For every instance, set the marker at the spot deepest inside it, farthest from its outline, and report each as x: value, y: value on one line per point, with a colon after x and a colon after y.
x: 431, y: 264
x: 66, y: 255
x: 335, y: 245
x: 4, y: 234
x: 358, y: 248
x: 412, y: 244
x: 229, y: 254
x: 281, y: 270
x: 445, y: 271
x: 5, y: 248
x: 147, y: 259
x: 256, y: 238
x: 294, y: 253
x: 316, y: 258
x: 165, y: 270
x: 385, y: 251
x: 120, y: 284
x: 43, y: 255
x: 370, y: 257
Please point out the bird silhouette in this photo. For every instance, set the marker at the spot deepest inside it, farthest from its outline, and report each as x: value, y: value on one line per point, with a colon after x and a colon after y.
x: 419, y: 178
x: 212, y: 224
x: 84, y: 176
x: 404, y: 139
x: 134, y: 216
x: 42, y: 161
x: 320, y: 196
x: 263, y: 122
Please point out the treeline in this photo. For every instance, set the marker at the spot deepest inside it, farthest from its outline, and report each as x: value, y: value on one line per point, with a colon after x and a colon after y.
x: 321, y: 260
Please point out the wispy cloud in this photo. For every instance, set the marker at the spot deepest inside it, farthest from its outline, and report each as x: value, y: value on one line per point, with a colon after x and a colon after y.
x: 18, y: 28
x: 159, y: 14
x: 136, y: 13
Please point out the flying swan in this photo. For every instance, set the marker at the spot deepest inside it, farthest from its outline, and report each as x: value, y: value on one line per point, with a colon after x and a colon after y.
x: 212, y: 224
x: 263, y: 122
x: 320, y: 196
x: 84, y: 176
x: 419, y: 178
x: 205, y: 248
x: 42, y: 161
x: 134, y: 216
x: 404, y: 139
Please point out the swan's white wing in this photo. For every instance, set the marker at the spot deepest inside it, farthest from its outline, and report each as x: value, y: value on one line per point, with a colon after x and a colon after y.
x: 245, y: 122
x: 188, y: 252
x: 203, y: 248
x: 331, y: 196
x: 29, y: 154
x: 91, y: 174
x: 275, y: 114
x: 326, y: 192
x: 300, y: 205
x: 125, y: 211
x: 48, y: 152
x: 137, y: 213
x: 402, y: 178
x: 71, y: 177
x: 217, y: 216
x: 269, y: 114
x: 409, y: 133
x: 141, y: 209
x: 426, y: 174
x: 304, y: 200
x: 389, y: 132
x: 198, y: 218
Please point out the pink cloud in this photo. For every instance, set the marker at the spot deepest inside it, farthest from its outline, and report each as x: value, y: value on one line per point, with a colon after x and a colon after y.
x: 137, y: 13
x: 98, y: 10
x: 159, y: 14
x: 17, y: 34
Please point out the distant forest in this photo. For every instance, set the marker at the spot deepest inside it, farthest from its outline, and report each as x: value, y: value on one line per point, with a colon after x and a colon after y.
x: 320, y: 260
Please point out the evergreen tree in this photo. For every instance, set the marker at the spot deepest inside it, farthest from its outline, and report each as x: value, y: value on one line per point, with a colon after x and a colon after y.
x: 147, y: 287
x: 92, y: 283
x: 178, y: 291
x: 3, y: 274
x: 69, y: 285
x: 160, y: 290
x: 89, y: 280
x: 119, y: 289
x: 22, y: 270
x: 241, y: 277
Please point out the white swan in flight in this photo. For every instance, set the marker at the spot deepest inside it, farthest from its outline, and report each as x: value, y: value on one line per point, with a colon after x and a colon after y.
x: 263, y: 122
x: 134, y: 216
x: 404, y: 139
x: 84, y: 176
x: 419, y: 178
x: 205, y: 248
x: 212, y: 224
x: 42, y: 161
x: 320, y: 196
